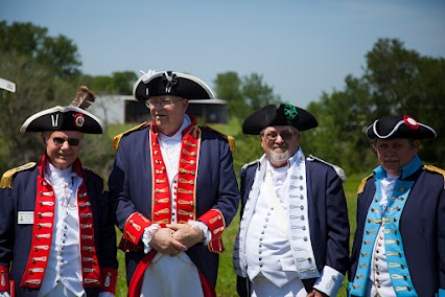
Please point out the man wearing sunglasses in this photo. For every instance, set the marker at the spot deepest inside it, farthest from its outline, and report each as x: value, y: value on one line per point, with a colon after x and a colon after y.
x: 56, y: 228
x: 294, y: 231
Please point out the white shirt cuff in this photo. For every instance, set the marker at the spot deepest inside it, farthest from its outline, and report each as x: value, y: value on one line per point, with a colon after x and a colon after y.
x: 329, y: 282
x: 203, y: 227
x: 148, y: 235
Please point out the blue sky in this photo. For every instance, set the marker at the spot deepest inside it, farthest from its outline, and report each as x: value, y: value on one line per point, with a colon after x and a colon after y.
x: 302, y: 48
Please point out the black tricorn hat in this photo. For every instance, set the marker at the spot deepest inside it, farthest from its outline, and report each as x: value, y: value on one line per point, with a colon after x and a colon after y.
x: 391, y: 127
x: 63, y: 118
x: 282, y: 115
x: 171, y: 83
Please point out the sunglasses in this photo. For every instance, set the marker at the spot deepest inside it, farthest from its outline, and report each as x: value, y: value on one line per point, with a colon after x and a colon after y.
x: 61, y: 141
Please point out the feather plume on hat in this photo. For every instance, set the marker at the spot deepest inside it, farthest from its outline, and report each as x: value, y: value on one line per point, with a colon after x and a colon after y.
x: 84, y: 98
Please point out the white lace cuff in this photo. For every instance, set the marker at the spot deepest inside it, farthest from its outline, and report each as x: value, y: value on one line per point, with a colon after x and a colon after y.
x: 203, y: 227
x: 329, y: 282
x: 148, y: 235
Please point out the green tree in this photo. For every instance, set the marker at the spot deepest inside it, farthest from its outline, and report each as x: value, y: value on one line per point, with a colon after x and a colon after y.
x: 57, y: 53
x: 120, y: 82
x: 228, y: 87
x: 257, y: 93
x: 245, y: 94
x: 395, y: 81
x: 31, y: 96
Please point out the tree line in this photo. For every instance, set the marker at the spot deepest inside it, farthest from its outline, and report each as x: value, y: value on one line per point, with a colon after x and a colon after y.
x: 395, y: 80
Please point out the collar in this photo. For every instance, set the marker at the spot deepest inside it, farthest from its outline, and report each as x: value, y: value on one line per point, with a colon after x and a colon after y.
x: 178, y: 135
x: 55, y: 175
x: 406, y: 171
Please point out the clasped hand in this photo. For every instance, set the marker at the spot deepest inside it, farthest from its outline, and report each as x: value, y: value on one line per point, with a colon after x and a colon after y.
x: 175, y: 238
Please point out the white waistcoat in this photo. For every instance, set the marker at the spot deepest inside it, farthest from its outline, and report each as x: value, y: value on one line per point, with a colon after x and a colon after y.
x: 267, y: 244
x: 64, y: 263
x: 380, y: 280
x: 301, y: 260
x: 170, y: 276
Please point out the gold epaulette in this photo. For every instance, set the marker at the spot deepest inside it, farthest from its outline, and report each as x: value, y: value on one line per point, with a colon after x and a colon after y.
x: 362, y: 185
x: 117, y: 138
x: 7, y: 177
x: 230, y: 139
x: 434, y: 169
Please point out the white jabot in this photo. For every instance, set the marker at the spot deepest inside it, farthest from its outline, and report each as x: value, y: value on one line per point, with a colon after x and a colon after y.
x: 171, y: 150
x: 270, y: 263
x: 64, y: 269
x: 170, y: 276
x: 273, y: 246
x: 380, y: 280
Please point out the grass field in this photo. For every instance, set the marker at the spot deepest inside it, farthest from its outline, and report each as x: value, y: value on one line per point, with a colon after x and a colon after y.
x: 226, y: 276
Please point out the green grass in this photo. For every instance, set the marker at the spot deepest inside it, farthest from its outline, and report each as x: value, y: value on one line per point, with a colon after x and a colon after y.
x: 226, y: 286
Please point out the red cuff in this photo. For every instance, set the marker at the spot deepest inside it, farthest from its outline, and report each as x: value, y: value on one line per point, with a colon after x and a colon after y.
x: 134, y: 228
x: 214, y: 219
x: 109, y: 279
x: 4, y: 278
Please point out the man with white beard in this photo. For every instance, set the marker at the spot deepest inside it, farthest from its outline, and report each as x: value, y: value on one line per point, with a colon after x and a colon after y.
x: 294, y: 231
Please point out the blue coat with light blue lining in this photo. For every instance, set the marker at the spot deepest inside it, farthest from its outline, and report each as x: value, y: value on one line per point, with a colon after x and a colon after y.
x: 415, y: 240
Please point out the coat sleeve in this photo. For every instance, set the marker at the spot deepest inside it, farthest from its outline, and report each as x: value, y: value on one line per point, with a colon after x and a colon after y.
x: 441, y: 243
x: 107, y: 250
x: 129, y: 220
x: 223, y: 211
x: 7, y: 215
x: 242, y: 283
x: 337, y: 246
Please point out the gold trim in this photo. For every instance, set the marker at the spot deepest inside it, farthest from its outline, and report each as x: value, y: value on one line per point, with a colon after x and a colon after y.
x: 117, y: 139
x: 362, y: 185
x: 7, y: 177
x: 434, y: 169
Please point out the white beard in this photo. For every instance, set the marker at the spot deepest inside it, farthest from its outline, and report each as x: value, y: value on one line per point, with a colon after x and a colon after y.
x: 279, y: 157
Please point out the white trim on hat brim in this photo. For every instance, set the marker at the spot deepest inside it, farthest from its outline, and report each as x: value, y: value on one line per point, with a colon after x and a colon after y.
x: 150, y: 75
x: 374, y: 129
x: 58, y: 108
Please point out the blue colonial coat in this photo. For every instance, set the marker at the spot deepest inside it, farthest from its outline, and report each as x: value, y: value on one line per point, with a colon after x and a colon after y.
x: 421, y: 227
x: 15, y: 239
x: 328, y: 217
x: 130, y: 185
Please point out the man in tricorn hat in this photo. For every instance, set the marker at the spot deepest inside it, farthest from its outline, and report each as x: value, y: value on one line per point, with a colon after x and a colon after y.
x: 56, y: 226
x: 294, y: 230
x: 175, y: 191
x: 399, y: 245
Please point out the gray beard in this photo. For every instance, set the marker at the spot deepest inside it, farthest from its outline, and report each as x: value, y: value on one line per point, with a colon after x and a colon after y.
x: 278, y: 157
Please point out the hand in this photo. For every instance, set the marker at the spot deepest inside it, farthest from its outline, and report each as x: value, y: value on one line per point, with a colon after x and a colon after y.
x: 186, y: 234
x: 165, y: 243
x: 316, y: 293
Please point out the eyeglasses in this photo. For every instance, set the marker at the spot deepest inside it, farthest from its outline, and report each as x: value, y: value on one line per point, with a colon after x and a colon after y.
x: 163, y: 101
x: 61, y: 141
x: 273, y: 135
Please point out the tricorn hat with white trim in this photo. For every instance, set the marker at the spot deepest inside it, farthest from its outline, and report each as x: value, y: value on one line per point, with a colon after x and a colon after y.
x: 282, y: 115
x: 66, y: 118
x: 171, y: 83
x: 391, y: 127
